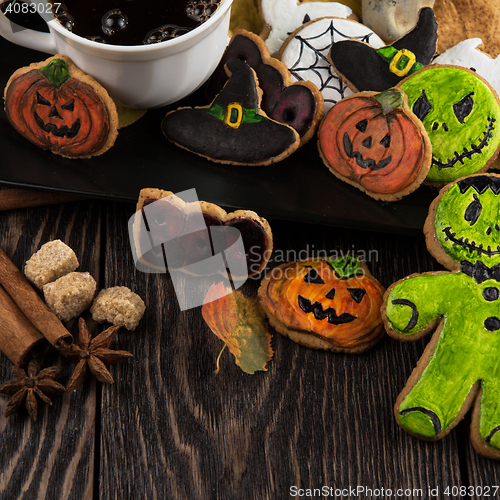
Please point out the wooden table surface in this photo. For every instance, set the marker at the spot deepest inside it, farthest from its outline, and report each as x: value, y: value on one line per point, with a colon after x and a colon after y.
x: 171, y: 428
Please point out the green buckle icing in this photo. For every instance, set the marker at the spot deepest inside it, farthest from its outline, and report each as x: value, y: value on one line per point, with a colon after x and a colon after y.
x: 389, y: 53
x: 249, y: 115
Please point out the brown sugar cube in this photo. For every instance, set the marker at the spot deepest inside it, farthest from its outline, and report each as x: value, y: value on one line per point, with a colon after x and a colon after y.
x: 53, y: 260
x: 70, y: 295
x: 118, y: 305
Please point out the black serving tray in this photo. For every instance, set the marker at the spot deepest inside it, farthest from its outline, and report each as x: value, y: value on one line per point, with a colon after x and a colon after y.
x: 300, y: 188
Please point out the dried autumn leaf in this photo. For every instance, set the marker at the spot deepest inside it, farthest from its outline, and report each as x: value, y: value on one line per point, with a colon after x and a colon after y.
x: 241, y: 324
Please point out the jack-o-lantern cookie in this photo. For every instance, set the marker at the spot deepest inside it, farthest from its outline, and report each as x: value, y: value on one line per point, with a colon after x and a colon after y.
x: 460, y: 112
x: 459, y: 368
x: 375, y: 143
x: 324, y: 304
x: 59, y: 108
x: 233, y: 128
x: 170, y: 232
x: 299, y: 104
x: 364, y: 67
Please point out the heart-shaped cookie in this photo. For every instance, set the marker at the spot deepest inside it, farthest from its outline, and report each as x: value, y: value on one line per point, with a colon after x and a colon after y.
x: 182, y: 234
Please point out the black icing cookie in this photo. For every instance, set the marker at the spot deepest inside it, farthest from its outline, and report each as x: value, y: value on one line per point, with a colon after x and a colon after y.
x: 363, y: 67
x: 299, y: 104
x: 233, y: 128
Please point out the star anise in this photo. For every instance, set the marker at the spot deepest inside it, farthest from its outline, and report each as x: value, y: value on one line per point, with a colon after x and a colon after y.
x: 92, y: 355
x: 27, y: 386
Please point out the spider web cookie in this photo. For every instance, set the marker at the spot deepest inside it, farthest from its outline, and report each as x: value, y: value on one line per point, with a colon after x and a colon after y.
x: 305, y: 53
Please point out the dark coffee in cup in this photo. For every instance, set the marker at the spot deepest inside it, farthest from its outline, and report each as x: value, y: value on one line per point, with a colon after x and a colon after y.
x: 132, y: 22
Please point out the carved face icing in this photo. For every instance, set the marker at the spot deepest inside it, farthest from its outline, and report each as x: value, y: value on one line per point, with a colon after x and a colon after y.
x: 373, y: 141
x: 56, y: 117
x: 460, y: 112
x: 467, y: 220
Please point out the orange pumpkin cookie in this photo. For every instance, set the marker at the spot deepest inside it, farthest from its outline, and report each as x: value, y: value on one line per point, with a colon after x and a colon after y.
x: 59, y: 108
x: 376, y: 143
x: 324, y: 304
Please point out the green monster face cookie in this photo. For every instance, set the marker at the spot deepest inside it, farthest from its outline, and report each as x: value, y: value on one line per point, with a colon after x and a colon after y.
x: 460, y: 366
x: 467, y: 220
x: 460, y: 112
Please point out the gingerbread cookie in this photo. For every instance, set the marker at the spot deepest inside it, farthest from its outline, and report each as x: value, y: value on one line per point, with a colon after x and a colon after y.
x: 459, y: 20
x: 363, y: 67
x: 233, y: 129
x: 282, y: 17
x: 59, y: 108
x: 459, y: 367
x: 305, y: 53
x: 460, y: 112
x: 170, y: 233
x: 298, y: 105
x: 324, y: 304
x: 375, y: 143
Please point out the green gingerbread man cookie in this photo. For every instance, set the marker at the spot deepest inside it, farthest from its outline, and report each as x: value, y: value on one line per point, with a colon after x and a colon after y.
x: 461, y: 114
x: 460, y: 366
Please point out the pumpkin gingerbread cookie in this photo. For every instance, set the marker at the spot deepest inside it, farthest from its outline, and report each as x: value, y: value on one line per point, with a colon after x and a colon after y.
x: 324, y: 304
x: 375, y: 143
x: 460, y: 366
x: 59, y: 108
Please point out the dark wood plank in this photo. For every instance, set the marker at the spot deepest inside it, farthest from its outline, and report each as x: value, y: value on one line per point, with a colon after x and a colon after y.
x: 175, y: 429
x: 54, y: 456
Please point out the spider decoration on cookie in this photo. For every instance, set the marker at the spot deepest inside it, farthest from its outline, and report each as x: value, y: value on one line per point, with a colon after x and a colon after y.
x: 460, y: 367
x: 460, y: 112
x: 305, y: 53
x: 364, y: 67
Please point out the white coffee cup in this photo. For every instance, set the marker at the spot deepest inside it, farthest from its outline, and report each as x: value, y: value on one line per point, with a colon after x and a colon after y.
x: 140, y: 76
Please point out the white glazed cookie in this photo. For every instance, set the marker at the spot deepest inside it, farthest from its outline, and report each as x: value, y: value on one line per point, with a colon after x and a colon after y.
x: 281, y: 17
x: 305, y: 53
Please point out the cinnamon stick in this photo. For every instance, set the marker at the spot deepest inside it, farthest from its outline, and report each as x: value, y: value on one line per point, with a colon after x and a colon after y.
x: 24, y: 198
x: 19, y: 339
x: 32, y: 305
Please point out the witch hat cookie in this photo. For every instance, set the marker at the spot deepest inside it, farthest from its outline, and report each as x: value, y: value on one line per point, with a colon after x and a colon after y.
x: 233, y: 128
x: 363, y: 67
x: 297, y: 104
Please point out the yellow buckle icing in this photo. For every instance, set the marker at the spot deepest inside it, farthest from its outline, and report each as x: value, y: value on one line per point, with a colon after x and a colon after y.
x: 393, y: 67
x: 229, y: 119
